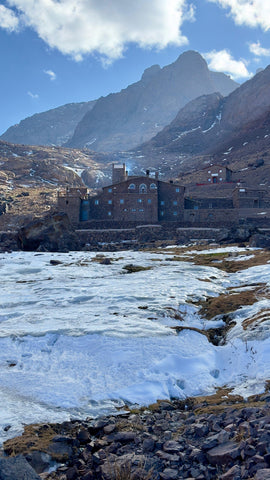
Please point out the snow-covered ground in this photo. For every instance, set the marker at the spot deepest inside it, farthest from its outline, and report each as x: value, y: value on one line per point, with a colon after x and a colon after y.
x: 81, y: 338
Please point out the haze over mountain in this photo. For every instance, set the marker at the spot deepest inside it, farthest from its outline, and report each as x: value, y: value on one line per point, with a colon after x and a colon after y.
x: 53, y: 127
x: 123, y: 120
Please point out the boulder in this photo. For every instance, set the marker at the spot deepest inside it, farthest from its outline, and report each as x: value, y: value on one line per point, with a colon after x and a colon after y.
x: 234, y: 235
x: 61, y: 448
x: 122, y: 437
x: 259, y: 241
x: 53, y: 232
x: 169, y: 474
x: 263, y: 474
x: 39, y: 461
x: 172, y: 446
x: 17, y: 468
x: 223, y: 454
x: 233, y: 474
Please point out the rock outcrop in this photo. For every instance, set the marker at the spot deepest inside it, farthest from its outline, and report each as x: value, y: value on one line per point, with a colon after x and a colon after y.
x: 50, y: 233
x: 17, y: 468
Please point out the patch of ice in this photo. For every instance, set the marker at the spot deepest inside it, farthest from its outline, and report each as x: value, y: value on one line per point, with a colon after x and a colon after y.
x: 183, y: 134
x: 228, y: 151
x: 76, y: 170
x: 81, y: 338
x: 93, y: 140
x: 210, y: 128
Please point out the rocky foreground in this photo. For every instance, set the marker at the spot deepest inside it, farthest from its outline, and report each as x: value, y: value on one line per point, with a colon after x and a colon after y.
x: 217, y: 437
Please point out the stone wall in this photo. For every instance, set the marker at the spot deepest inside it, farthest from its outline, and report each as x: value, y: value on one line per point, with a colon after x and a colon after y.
x: 144, y: 234
x: 211, y: 217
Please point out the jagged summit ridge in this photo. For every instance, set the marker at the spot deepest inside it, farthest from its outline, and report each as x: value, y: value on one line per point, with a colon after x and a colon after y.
x: 123, y: 120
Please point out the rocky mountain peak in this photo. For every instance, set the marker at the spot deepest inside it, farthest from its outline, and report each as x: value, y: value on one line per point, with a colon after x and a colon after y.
x: 189, y: 59
x: 126, y: 119
x: 123, y: 120
x: 149, y: 73
x: 228, y: 129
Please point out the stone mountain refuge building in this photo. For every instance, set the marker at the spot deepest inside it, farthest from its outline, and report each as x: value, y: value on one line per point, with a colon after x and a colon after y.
x: 215, y: 199
x: 129, y: 199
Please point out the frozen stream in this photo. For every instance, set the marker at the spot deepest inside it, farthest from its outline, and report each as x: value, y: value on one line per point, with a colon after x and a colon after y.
x: 81, y: 338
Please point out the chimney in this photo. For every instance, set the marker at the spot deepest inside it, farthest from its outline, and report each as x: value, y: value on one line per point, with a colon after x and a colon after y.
x: 171, y: 181
x: 147, y: 173
x: 156, y: 175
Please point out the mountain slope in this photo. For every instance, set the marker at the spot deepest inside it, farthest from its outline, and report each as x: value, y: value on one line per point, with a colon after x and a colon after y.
x: 53, y: 127
x: 224, y: 129
x: 37, y: 166
x: 123, y: 120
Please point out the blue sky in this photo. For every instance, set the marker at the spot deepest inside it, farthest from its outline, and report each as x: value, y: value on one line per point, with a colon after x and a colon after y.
x: 61, y: 51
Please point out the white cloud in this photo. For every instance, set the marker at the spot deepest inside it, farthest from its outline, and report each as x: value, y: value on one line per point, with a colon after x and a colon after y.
x: 33, y: 95
x: 51, y: 74
x: 8, y: 19
x: 253, y: 13
x: 258, y: 50
x: 79, y: 27
x: 222, y: 61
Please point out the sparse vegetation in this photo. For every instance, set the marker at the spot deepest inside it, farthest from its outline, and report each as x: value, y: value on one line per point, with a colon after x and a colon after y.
x: 228, y: 302
x: 37, y: 438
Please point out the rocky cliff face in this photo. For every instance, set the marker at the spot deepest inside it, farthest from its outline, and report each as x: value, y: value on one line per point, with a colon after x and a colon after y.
x: 53, y: 127
x: 187, y: 132
x: 221, y: 127
x: 123, y: 120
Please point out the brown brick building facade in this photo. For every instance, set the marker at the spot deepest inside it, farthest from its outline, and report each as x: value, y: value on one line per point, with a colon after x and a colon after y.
x: 140, y: 199
x: 148, y: 200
